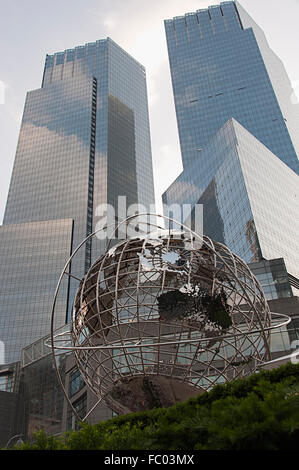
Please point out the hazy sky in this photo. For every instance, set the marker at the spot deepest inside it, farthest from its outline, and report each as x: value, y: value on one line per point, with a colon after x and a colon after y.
x: 30, y: 29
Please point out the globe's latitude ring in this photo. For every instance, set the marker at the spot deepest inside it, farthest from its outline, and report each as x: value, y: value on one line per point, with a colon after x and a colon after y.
x: 159, y: 318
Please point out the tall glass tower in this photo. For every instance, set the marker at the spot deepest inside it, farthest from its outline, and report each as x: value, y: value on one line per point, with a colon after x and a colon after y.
x: 222, y: 67
x: 238, y: 132
x: 84, y: 141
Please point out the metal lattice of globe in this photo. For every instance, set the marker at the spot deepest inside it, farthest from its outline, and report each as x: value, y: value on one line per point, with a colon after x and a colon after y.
x: 160, y: 318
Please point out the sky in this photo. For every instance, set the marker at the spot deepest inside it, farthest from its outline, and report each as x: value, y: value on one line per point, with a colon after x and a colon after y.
x: 30, y: 29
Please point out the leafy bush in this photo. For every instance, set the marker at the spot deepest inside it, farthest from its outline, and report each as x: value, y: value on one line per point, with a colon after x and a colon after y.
x: 260, y: 412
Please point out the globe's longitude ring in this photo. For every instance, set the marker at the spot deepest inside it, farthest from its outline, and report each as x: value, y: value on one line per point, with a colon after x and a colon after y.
x: 170, y: 313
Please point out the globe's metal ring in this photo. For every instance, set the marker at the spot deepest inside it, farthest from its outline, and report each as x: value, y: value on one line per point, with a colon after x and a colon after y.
x: 126, y: 346
x: 168, y: 343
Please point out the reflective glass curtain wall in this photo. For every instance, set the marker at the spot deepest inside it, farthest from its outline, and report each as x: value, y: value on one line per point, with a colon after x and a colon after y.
x: 279, y: 78
x: 249, y: 197
x: 219, y: 72
x: 84, y: 141
x: 32, y: 256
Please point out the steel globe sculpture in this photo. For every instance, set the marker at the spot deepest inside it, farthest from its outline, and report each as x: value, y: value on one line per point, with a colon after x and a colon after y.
x: 163, y: 316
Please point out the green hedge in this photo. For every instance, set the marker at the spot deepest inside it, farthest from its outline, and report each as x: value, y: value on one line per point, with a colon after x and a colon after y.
x: 260, y: 412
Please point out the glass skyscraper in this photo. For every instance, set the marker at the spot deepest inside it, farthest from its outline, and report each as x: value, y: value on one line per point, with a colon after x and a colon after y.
x: 84, y: 141
x: 222, y: 67
x: 278, y: 77
x: 249, y: 197
x: 238, y: 132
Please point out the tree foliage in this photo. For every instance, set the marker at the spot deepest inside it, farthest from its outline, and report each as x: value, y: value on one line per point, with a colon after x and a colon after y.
x: 260, y: 412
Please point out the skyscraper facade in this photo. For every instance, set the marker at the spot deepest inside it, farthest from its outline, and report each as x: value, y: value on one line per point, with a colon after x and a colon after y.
x: 249, y: 197
x: 280, y: 81
x: 84, y: 141
x: 222, y: 68
x: 238, y: 132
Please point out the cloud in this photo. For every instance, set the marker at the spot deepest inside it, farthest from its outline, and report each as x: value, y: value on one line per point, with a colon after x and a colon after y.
x: 138, y: 26
x: 295, y: 95
x: 2, y: 92
x: 166, y: 169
